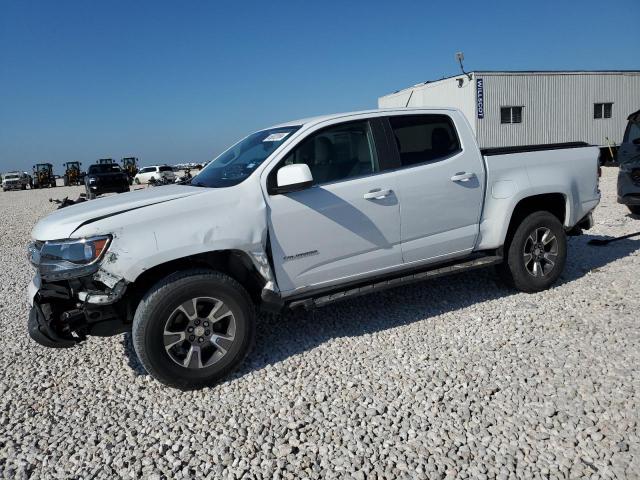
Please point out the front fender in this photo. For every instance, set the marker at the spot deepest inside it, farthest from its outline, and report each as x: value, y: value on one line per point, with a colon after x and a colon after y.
x: 221, y: 219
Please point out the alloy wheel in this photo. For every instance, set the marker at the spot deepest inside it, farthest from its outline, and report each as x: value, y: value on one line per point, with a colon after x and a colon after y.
x: 540, y: 252
x: 199, y: 332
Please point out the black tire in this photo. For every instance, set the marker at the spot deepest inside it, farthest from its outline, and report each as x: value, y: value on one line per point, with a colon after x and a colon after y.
x: 136, y: 181
x: 635, y: 209
x: 23, y: 187
x: 66, y: 181
x: 516, y: 272
x: 158, y: 305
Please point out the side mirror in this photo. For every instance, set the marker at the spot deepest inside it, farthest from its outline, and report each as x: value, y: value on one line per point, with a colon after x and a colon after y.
x: 293, y: 178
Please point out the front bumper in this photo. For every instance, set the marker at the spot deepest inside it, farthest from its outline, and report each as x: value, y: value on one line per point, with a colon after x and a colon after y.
x: 100, y: 189
x: 62, y: 315
x: 630, y: 199
x: 12, y: 186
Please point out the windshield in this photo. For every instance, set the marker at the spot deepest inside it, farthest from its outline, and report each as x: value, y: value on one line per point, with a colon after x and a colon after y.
x: 104, y: 168
x: 238, y: 162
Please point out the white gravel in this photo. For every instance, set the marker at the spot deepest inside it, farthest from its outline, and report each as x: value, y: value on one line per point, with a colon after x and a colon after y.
x: 457, y: 377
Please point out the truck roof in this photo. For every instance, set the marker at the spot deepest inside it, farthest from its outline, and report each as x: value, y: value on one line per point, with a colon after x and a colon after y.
x: 322, y: 118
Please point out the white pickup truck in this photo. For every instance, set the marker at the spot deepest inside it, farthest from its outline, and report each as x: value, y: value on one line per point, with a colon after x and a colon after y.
x: 15, y: 181
x: 300, y: 215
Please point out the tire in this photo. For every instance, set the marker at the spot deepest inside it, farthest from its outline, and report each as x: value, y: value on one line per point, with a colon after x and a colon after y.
x: 635, y: 209
x: 160, y: 307
x: 136, y: 181
x: 66, y: 181
x: 525, y: 275
x: 23, y: 187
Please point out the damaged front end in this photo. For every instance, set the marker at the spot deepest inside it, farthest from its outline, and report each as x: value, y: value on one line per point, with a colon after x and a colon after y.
x: 68, y: 298
x: 629, y: 160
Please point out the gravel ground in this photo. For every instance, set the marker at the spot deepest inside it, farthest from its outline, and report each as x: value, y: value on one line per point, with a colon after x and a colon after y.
x: 458, y: 377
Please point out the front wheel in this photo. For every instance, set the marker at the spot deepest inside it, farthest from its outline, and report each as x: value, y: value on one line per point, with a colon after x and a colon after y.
x: 194, y: 327
x: 136, y: 181
x: 635, y: 209
x: 536, y: 253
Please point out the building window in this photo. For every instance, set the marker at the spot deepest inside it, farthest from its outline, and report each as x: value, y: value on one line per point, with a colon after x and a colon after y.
x: 602, y: 110
x: 511, y: 114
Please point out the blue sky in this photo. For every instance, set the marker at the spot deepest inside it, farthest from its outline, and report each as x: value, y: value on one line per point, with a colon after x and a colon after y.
x: 179, y: 81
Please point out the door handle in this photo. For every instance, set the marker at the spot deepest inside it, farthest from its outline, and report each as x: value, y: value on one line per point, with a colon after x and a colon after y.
x: 377, y: 194
x: 462, y: 177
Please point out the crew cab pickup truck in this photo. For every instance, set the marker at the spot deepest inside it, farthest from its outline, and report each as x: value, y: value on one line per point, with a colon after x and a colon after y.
x: 300, y: 215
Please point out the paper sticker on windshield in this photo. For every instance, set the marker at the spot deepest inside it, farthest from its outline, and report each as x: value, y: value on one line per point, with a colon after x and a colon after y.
x: 276, y: 137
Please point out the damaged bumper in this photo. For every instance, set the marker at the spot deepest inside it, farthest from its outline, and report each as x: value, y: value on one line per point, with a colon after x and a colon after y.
x: 64, y: 313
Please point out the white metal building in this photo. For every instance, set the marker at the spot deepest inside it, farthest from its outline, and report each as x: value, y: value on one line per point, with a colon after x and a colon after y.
x: 531, y: 108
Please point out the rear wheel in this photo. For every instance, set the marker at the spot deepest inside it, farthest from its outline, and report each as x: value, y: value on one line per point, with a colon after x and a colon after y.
x: 193, y: 328
x: 635, y: 209
x: 536, y: 253
x: 66, y: 180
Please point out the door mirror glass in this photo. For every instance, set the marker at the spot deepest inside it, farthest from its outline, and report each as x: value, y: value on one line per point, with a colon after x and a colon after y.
x: 292, y: 178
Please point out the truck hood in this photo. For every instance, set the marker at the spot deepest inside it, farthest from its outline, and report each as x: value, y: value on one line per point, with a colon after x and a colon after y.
x: 62, y: 223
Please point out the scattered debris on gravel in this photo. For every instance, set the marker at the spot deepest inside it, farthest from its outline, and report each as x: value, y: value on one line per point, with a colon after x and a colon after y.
x: 457, y: 377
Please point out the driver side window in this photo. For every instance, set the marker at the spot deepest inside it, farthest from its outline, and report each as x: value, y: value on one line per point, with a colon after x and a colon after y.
x: 336, y: 153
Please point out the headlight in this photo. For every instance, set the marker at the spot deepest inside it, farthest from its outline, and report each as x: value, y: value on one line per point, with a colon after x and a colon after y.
x: 64, y: 259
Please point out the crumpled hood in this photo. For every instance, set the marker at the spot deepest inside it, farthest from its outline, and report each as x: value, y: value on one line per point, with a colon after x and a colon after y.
x: 62, y: 223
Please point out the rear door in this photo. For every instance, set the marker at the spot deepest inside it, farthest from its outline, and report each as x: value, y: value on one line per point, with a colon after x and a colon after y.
x: 347, y: 225
x: 440, y: 180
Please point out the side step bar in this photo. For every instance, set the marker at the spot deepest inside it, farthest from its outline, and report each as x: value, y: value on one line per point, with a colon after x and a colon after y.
x: 322, y: 300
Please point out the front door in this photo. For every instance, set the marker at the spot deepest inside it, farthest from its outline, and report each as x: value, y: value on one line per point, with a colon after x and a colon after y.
x: 347, y: 225
x: 440, y: 186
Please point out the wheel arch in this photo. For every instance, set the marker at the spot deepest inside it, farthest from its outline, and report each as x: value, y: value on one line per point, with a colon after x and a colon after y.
x: 555, y: 203
x: 235, y: 263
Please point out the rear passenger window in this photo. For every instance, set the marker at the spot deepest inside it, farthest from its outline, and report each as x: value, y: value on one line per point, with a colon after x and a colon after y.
x: 424, y: 138
x: 337, y: 153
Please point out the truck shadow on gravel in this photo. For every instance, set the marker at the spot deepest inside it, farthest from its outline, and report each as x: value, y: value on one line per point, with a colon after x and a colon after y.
x: 280, y: 337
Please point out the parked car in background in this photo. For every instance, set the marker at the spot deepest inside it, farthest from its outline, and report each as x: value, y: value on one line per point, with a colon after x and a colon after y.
x: 629, y: 160
x: 155, y: 173
x: 105, y: 178
x: 14, y: 181
x: 301, y: 215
